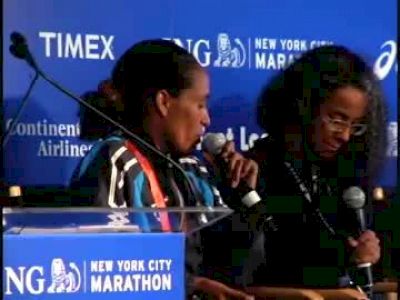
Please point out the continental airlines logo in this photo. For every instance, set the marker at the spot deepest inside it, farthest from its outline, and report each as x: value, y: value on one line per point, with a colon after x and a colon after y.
x: 56, y: 139
x: 229, y: 51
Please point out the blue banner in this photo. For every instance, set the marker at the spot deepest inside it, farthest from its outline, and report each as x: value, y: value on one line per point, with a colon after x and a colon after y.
x: 93, y: 266
x: 242, y: 44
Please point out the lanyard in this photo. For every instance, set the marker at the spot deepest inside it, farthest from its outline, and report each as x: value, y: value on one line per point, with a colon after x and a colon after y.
x: 155, y: 188
x: 307, y: 196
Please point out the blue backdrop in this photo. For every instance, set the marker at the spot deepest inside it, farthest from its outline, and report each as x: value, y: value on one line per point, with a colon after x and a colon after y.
x: 78, y: 43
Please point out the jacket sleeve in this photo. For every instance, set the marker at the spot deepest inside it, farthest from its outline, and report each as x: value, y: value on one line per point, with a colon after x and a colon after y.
x: 203, y: 181
x: 100, y: 177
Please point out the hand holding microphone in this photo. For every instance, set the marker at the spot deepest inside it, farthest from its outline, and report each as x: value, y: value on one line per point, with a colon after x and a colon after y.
x: 242, y: 174
x: 225, y: 159
x: 366, y: 246
x: 366, y: 249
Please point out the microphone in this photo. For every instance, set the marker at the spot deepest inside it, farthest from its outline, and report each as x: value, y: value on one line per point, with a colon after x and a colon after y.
x: 354, y: 198
x: 213, y: 143
x: 20, y: 50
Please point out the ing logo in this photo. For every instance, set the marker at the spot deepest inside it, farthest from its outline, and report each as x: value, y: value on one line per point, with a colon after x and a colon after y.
x: 230, y: 55
x: 35, y: 280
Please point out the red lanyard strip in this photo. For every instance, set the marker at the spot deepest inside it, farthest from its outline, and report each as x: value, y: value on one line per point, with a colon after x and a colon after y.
x: 155, y: 188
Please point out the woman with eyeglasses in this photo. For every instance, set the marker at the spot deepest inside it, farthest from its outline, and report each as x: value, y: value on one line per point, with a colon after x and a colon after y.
x: 326, y: 123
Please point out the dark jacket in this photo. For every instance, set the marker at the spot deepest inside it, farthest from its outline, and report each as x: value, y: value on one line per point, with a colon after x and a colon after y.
x: 303, y: 251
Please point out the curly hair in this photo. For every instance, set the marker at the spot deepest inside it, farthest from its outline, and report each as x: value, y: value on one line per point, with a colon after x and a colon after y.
x: 292, y: 98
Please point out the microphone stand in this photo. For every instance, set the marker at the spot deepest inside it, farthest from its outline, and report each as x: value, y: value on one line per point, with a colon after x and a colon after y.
x: 19, y: 112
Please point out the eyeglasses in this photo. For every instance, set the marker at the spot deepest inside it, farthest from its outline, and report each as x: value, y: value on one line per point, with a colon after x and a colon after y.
x: 338, y: 126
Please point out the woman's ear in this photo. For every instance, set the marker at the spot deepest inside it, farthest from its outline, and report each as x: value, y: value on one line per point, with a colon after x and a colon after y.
x: 163, y: 102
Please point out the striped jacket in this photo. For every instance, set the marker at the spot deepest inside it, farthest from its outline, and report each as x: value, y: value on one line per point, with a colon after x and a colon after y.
x: 110, y: 175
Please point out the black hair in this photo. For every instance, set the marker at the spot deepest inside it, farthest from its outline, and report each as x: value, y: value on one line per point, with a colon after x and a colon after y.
x: 105, y: 99
x: 292, y: 97
x: 146, y: 68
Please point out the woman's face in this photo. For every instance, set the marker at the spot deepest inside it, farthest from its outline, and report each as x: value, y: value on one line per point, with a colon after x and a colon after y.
x: 188, y: 115
x: 338, y: 118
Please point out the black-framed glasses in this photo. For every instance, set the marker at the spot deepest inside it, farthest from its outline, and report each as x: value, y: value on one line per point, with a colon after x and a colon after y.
x: 339, y: 125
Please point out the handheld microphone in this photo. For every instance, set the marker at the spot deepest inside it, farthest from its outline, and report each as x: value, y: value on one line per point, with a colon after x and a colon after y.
x: 213, y: 143
x: 354, y: 198
x: 20, y: 50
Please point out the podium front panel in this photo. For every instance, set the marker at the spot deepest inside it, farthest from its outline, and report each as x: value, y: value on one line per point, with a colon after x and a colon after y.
x: 93, y: 266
